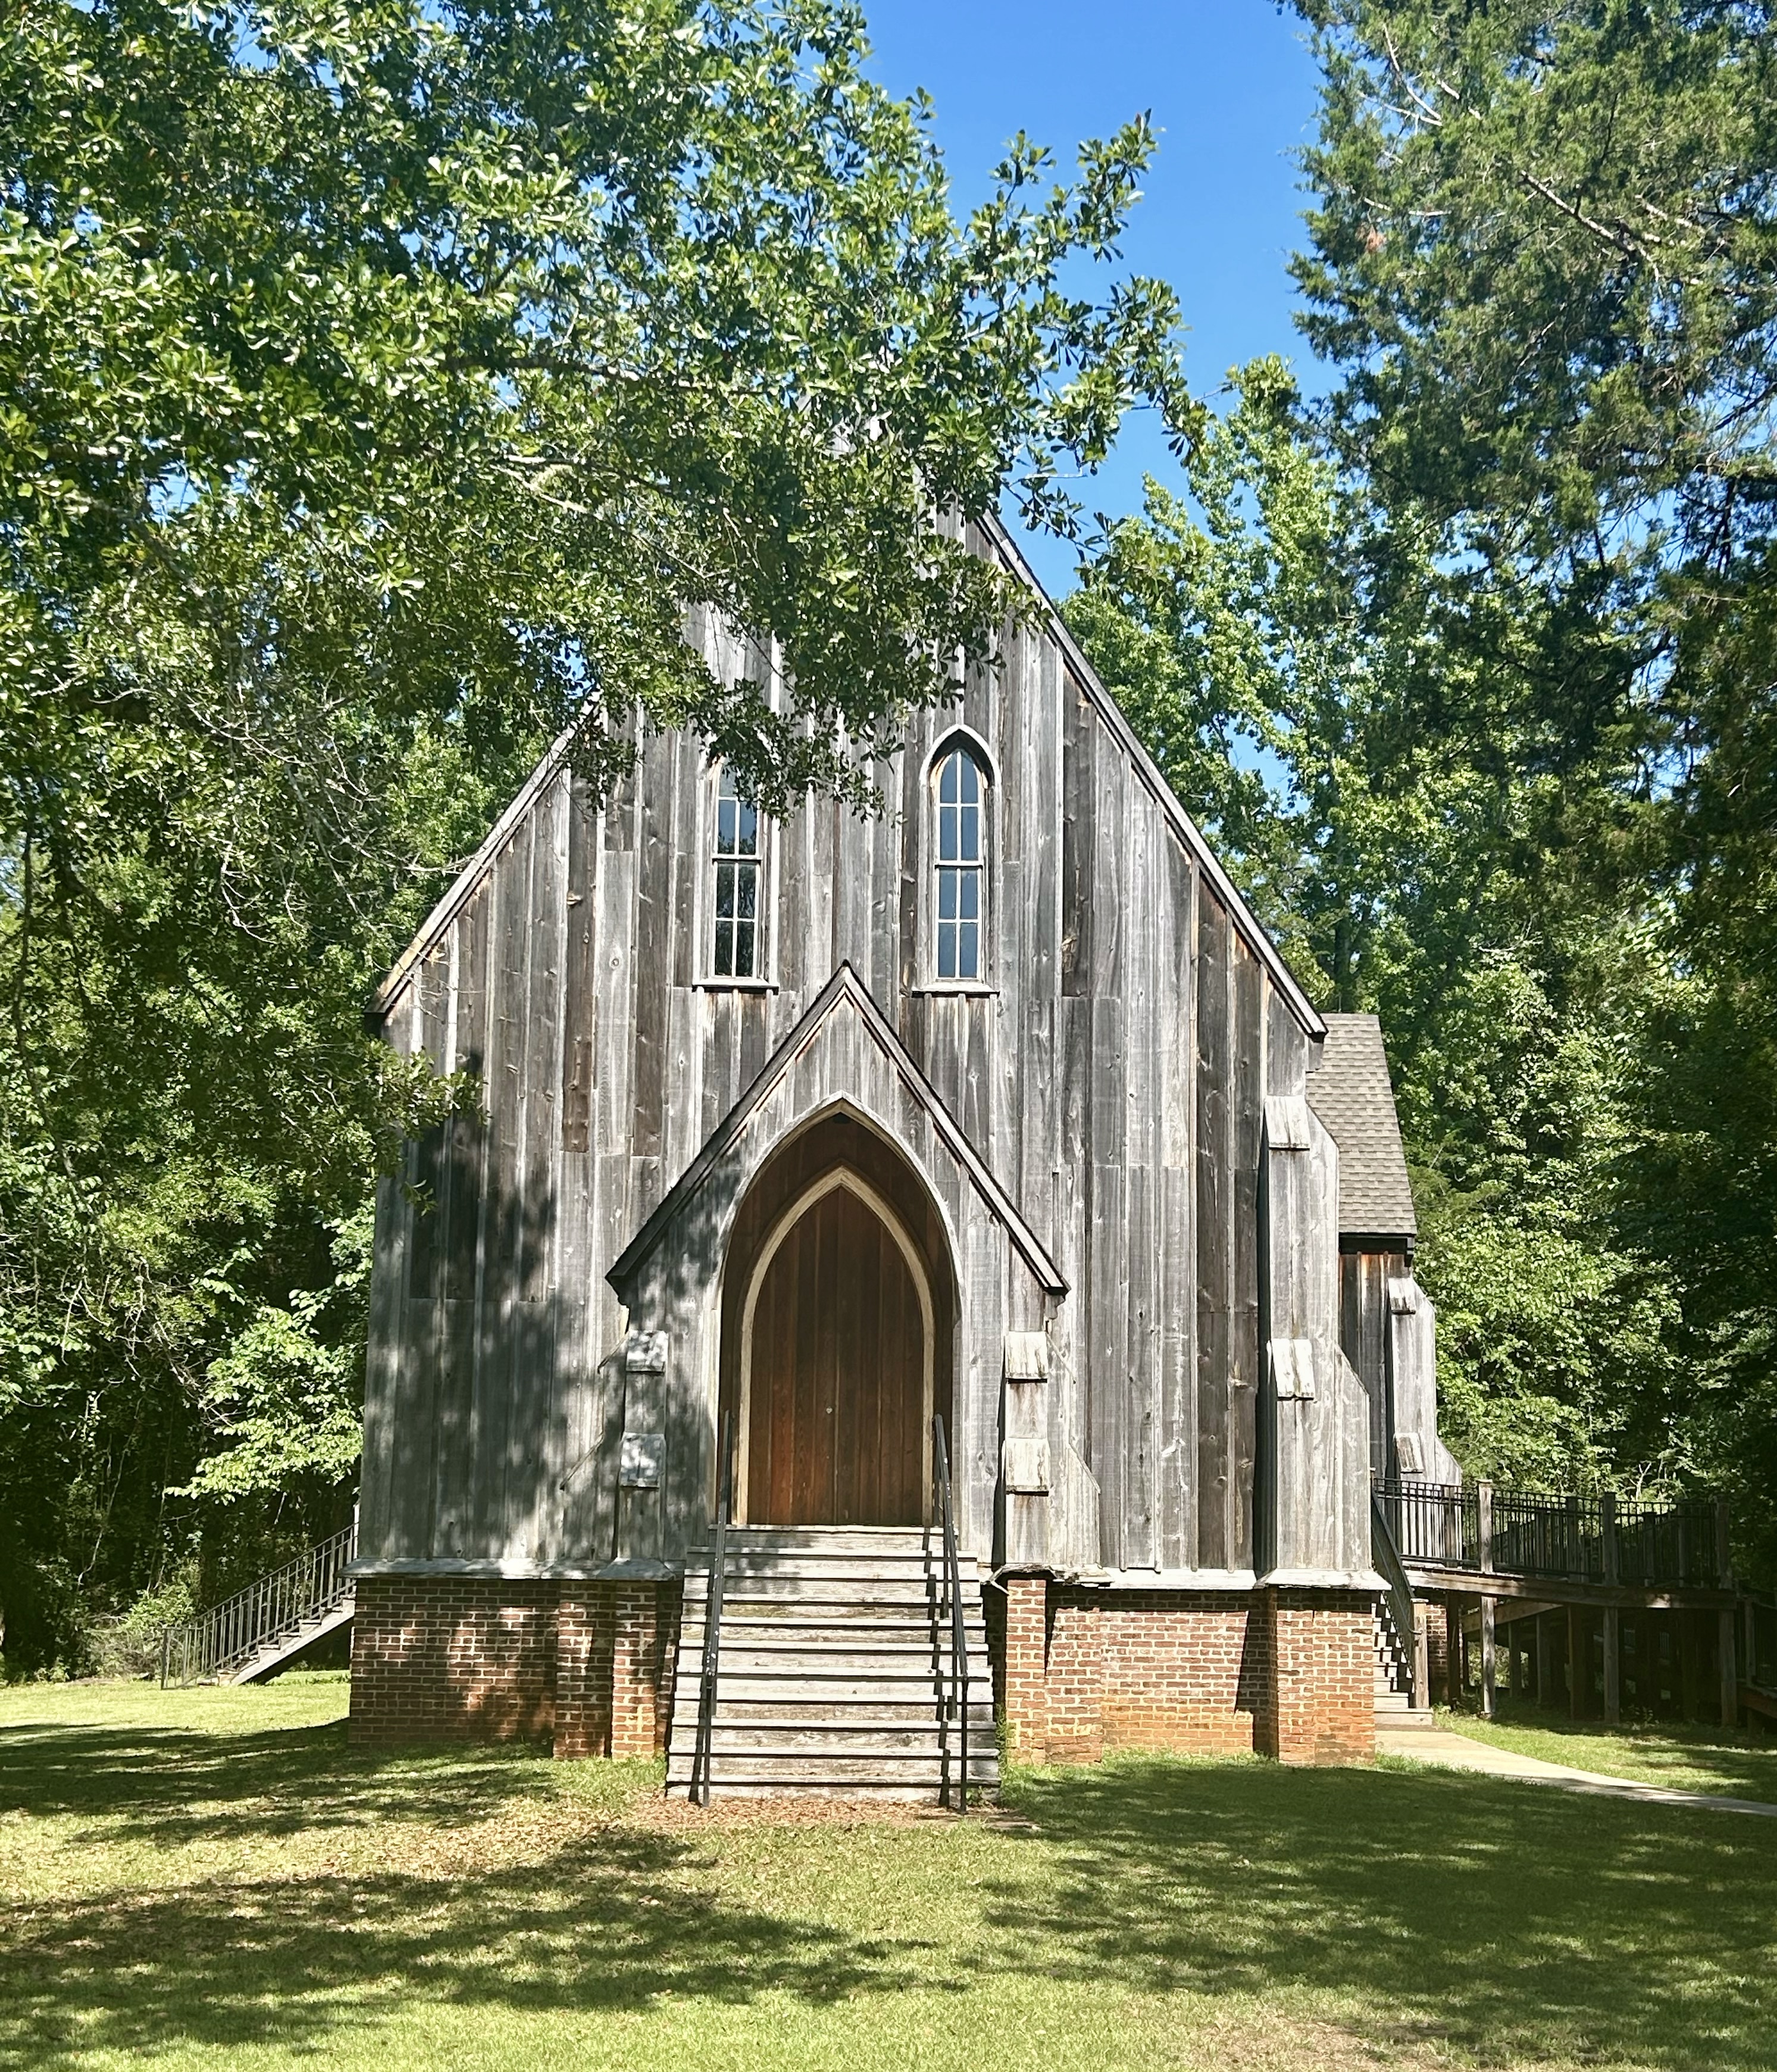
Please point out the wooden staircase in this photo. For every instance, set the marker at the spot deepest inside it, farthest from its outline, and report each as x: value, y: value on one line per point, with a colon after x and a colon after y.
x: 1395, y: 1709
x: 834, y: 1667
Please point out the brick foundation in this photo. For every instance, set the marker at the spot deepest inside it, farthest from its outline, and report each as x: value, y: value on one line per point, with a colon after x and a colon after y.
x: 1320, y: 1705
x: 587, y: 1667
x: 1083, y: 1671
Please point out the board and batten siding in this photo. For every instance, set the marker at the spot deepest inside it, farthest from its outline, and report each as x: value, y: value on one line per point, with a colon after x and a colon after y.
x: 1111, y: 1076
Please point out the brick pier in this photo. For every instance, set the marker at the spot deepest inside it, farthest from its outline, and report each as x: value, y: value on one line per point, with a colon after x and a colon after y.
x: 1083, y: 1671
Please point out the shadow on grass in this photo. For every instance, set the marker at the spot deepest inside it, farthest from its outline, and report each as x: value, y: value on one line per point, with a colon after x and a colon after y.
x: 601, y: 1926
x: 171, y: 1785
x: 611, y: 1920
x: 1516, y: 1920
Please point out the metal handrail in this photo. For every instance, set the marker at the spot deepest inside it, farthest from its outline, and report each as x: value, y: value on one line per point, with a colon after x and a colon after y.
x: 956, y: 1703
x: 267, y: 1609
x: 1387, y: 1558
x: 704, y: 1749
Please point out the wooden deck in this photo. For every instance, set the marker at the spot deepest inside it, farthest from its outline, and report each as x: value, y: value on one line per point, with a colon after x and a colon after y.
x: 1598, y: 1600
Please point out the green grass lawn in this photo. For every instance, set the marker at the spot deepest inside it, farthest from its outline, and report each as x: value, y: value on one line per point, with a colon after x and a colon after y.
x: 1684, y: 1758
x: 212, y: 1879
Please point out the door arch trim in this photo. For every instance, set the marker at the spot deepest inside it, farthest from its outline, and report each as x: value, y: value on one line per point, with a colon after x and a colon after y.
x: 835, y: 1179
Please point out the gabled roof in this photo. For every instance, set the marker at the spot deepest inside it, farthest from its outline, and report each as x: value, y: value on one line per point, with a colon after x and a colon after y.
x: 1146, y: 769
x: 1351, y: 1094
x: 471, y: 874
x: 844, y: 988
x: 1186, y: 828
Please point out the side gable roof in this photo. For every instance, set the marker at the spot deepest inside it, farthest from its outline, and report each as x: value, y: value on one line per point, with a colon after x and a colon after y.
x: 844, y: 988
x: 1148, y: 771
x: 1351, y: 1094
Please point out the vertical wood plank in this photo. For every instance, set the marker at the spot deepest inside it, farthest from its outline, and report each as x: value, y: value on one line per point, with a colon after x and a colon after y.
x: 1215, y: 1207
x: 1244, y: 1353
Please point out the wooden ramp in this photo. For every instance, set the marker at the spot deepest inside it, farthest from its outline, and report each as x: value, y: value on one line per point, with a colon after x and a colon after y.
x: 834, y: 1667
x: 256, y: 1632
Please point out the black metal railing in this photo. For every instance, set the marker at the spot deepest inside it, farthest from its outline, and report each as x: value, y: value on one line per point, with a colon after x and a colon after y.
x: 275, y: 1608
x: 1527, y: 1533
x: 710, y: 1669
x: 954, y: 1708
x: 1387, y: 1558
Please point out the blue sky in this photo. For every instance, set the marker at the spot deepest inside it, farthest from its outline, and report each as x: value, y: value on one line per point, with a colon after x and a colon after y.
x: 1231, y: 87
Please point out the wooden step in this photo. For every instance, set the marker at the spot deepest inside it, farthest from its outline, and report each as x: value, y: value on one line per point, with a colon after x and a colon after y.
x: 834, y: 1667
x: 794, y: 1714
x: 873, y: 1766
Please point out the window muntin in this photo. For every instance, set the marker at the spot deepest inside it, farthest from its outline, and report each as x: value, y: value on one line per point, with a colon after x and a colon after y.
x: 961, y: 864
x: 738, y: 865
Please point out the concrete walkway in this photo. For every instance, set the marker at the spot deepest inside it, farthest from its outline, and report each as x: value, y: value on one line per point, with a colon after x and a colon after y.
x: 1451, y: 1751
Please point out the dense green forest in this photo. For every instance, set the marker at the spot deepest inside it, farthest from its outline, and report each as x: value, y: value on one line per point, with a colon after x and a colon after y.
x: 377, y: 381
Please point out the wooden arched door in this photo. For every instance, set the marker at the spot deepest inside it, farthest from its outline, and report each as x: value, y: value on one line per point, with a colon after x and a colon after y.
x: 837, y: 1355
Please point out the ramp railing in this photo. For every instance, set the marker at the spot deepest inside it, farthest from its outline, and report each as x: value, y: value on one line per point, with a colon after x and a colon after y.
x: 273, y: 1607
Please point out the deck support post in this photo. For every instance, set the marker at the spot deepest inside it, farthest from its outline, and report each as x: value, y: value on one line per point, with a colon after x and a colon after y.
x: 1545, y: 1679
x: 1725, y: 1662
x: 1576, y: 1664
x: 1453, y: 1649
x: 1487, y: 1658
x: 1613, y: 1666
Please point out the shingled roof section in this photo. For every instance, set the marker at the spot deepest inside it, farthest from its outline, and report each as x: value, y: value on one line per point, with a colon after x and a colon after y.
x: 1351, y: 1094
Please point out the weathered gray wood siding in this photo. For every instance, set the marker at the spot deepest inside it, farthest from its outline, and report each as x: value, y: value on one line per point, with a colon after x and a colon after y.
x: 1111, y: 1073
x: 1364, y: 1281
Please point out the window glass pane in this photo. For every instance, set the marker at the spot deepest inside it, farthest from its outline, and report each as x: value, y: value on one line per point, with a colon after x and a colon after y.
x: 739, y: 834
x: 959, y: 856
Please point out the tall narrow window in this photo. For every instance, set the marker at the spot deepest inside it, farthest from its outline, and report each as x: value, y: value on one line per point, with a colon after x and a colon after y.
x: 738, y: 866
x: 961, y: 865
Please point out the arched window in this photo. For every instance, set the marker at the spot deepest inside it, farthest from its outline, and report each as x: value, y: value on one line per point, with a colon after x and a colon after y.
x: 739, y: 864
x: 960, y: 860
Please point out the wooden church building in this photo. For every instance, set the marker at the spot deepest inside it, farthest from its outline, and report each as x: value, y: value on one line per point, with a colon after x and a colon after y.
x: 990, y: 1133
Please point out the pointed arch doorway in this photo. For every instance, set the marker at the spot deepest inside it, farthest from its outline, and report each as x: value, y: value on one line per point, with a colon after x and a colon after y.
x: 837, y: 1339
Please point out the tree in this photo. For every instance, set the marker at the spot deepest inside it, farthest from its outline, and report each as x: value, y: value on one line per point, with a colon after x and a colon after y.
x: 378, y: 383
x: 1542, y: 256
x: 1283, y: 641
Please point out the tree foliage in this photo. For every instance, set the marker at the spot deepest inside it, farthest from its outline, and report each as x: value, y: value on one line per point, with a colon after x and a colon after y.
x: 378, y: 383
x: 1495, y: 622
